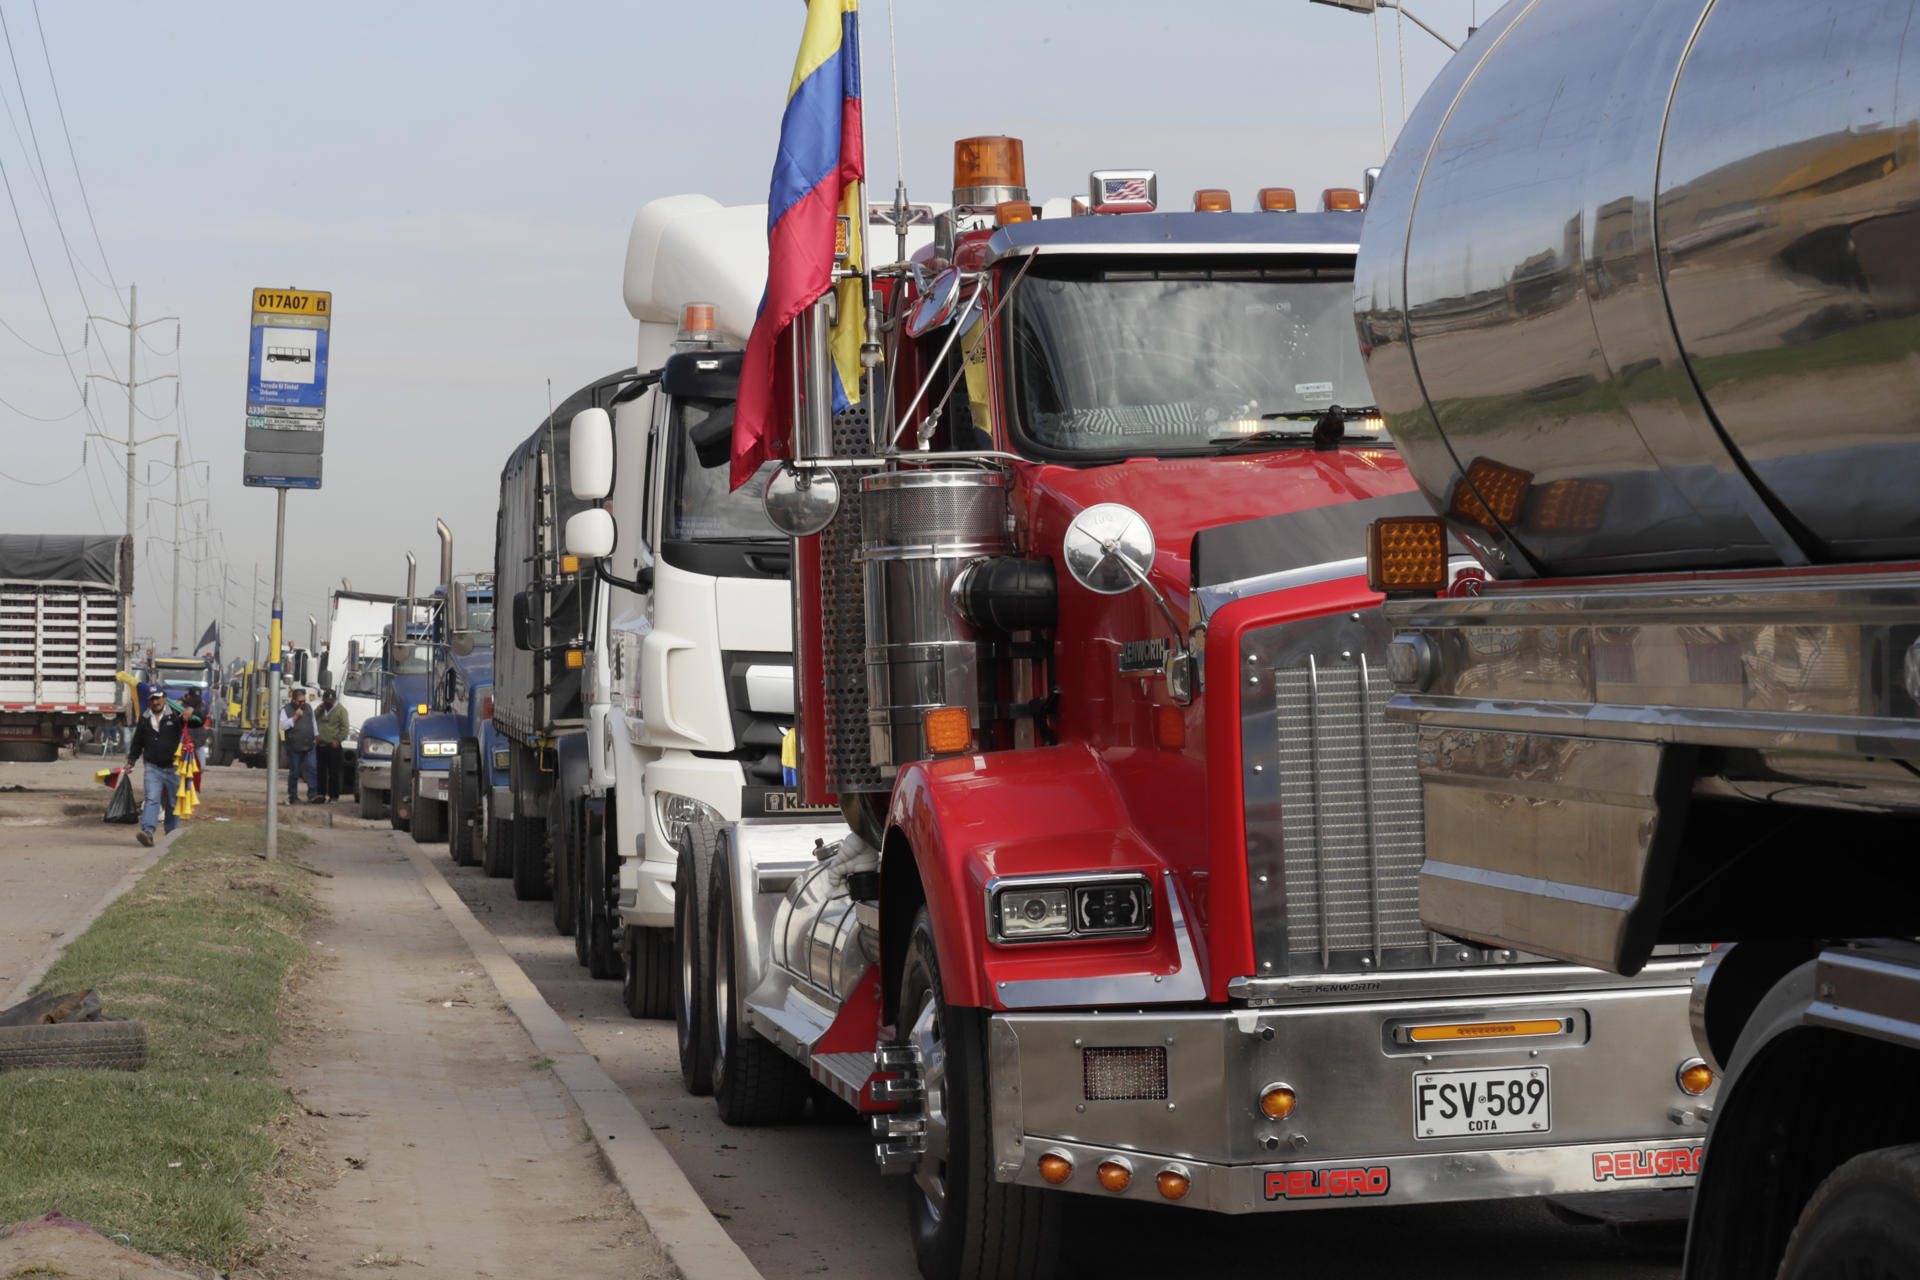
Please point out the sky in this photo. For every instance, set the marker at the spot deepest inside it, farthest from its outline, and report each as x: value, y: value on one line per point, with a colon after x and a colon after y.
x: 462, y: 178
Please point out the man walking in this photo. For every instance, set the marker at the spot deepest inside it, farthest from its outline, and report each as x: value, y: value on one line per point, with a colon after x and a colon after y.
x: 156, y: 739
x: 332, y: 738
x: 301, y: 734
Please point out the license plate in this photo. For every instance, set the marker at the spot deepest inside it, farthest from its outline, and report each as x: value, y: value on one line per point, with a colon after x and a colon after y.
x: 1488, y: 1102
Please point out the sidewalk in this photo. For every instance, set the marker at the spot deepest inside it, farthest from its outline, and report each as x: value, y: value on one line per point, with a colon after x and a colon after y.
x: 460, y: 1149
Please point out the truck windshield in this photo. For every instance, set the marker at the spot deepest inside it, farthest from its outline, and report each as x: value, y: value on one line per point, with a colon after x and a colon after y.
x: 412, y: 658
x: 364, y: 680
x: 700, y: 506
x: 1169, y: 356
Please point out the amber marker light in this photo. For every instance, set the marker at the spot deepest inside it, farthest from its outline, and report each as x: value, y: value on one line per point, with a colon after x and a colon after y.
x: 421, y: 709
x: 569, y: 564
x: 1011, y: 211
x: 1341, y: 200
x: 1486, y: 1030
x: 575, y: 659
x: 1212, y: 200
x: 1055, y: 1168
x: 1277, y: 200
x: 1695, y: 1077
x: 1277, y: 1101
x: 1116, y: 1175
x: 948, y: 730
x: 1406, y: 554
x: 1173, y: 1183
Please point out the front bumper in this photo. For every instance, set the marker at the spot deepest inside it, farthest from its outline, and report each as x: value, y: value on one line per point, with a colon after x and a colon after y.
x: 375, y: 775
x: 433, y: 784
x: 1618, y: 1118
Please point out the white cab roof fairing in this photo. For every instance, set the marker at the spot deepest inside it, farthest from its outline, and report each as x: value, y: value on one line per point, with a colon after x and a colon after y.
x: 691, y: 248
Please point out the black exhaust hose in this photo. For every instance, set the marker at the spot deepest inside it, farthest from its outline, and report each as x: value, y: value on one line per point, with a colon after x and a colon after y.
x: 1006, y: 594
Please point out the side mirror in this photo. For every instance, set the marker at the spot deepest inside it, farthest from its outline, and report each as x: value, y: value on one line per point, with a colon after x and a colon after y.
x: 326, y: 676
x: 936, y: 307
x: 801, y: 500
x: 1108, y: 548
x: 590, y: 455
x: 523, y: 620
x: 353, y: 654
x: 300, y: 668
x: 402, y: 624
x: 590, y: 534
x: 457, y: 608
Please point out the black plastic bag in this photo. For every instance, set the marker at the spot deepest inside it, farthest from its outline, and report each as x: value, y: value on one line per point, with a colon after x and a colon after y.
x: 123, y: 809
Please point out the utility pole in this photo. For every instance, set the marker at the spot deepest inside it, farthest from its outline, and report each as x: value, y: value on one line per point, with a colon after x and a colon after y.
x: 133, y: 325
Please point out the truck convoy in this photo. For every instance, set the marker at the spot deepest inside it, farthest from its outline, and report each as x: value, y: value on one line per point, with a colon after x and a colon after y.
x: 453, y: 720
x: 1127, y: 904
x: 1639, y: 289
x: 406, y: 675
x: 63, y: 622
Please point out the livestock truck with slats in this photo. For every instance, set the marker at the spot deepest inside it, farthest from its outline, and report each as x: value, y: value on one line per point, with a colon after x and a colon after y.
x: 1640, y: 288
x: 63, y: 621
x: 1119, y: 900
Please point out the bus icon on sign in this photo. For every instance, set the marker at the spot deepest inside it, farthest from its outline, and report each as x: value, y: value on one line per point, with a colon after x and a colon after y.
x: 290, y: 355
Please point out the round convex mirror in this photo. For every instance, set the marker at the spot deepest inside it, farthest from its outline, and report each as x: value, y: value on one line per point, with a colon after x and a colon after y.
x: 1108, y: 548
x: 800, y: 501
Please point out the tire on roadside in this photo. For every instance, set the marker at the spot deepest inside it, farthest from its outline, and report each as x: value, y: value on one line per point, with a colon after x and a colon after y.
x: 566, y: 876
x: 692, y: 1020
x: 111, y: 1044
x: 461, y: 808
x: 496, y: 850
x: 373, y: 804
x: 429, y: 817
x: 1863, y: 1220
x: 598, y: 889
x: 646, y: 958
x: 753, y: 1082
x: 983, y: 1229
x: 531, y: 854
x: 399, y: 783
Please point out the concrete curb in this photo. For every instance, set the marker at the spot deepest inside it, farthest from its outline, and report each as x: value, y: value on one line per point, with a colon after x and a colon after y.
x: 51, y: 956
x: 680, y: 1221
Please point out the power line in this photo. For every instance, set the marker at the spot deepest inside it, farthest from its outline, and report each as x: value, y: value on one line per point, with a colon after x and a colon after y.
x: 42, y: 484
x: 36, y: 417
x: 34, y: 346
x: 81, y: 182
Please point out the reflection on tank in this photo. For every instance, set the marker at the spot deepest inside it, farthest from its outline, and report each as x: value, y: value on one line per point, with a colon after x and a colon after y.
x: 1724, y: 293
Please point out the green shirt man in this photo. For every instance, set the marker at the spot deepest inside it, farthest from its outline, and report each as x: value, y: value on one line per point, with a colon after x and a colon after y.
x: 333, y: 727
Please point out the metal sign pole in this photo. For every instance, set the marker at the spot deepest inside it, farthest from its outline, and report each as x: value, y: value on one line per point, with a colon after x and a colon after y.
x: 273, y: 685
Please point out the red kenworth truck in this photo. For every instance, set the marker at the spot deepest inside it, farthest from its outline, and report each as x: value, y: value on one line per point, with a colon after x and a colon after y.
x: 1124, y: 902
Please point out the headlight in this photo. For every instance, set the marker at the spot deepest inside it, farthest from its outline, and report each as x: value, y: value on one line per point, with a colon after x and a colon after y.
x: 502, y: 757
x: 376, y: 747
x: 677, y: 813
x: 1060, y: 907
x: 439, y: 748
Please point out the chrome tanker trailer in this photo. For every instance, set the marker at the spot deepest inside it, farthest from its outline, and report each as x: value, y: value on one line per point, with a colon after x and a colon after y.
x: 1638, y: 288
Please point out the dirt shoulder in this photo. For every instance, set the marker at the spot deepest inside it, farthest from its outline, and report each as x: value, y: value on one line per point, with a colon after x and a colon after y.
x: 430, y: 1137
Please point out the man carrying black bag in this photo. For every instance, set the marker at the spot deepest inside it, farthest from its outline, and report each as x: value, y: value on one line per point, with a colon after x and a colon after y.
x: 156, y: 739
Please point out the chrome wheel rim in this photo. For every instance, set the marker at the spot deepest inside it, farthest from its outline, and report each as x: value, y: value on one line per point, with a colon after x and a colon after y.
x: 722, y: 990
x: 927, y: 1036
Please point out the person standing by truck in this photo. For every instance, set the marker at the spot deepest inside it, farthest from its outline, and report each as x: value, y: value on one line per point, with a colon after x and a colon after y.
x: 297, y: 726
x: 156, y: 738
x: 332, y: 735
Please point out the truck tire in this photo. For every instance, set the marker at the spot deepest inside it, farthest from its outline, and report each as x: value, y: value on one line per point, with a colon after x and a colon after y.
x: 646, y: 968
x: 496, y: 851
x: 110, y: 1044
x: 29, y: 752
x: 373, y: 804
x: 566, y: 854
x: 531, y: 881
x: 693, y: 1024
x: 753, y: 1082
x: 965, y: 1225
x: 598, y: 912
x: 462, y: 808
x: 1864, y: 1220
x: 399, y: 784
x: 429, y: 816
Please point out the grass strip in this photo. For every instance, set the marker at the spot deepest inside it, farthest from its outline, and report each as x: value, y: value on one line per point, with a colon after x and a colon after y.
x: 174, y: 1156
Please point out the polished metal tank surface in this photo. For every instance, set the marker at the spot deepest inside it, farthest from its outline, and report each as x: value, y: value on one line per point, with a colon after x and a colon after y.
x: 1640, y: 285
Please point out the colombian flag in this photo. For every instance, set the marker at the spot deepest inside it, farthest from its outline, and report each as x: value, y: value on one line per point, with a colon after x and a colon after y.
x: 815, y: 177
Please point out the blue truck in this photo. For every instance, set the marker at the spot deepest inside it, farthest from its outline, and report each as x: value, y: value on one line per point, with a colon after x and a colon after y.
x: 406, y: 678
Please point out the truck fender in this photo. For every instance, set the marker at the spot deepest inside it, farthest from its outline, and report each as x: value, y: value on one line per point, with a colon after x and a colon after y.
x: 969, y: 820
x: 572, y: 768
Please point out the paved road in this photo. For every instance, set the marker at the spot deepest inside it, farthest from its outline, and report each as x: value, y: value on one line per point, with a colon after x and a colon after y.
x: 806, y: 1200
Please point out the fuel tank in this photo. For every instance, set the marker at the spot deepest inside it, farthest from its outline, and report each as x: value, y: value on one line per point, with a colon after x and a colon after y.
x: 1638, y: 285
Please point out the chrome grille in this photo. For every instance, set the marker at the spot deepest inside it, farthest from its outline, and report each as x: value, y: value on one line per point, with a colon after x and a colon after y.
x: 1126, y: 1074
x: 1350, y: 812
x: 1335, y: 834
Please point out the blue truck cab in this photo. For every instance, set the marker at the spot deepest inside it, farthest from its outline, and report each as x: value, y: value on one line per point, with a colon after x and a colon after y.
x: 406, y: 679
x: 443, y: 743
